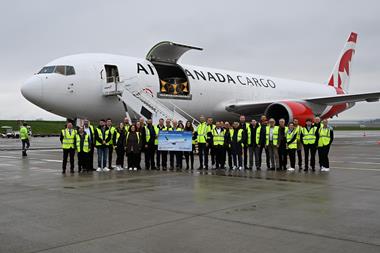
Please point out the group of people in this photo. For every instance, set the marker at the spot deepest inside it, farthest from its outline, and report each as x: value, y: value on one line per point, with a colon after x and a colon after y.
x: 233, y: 146
x: 243, y: 144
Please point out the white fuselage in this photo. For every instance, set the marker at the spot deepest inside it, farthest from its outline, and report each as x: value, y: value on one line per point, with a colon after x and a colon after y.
x: 81, y: 95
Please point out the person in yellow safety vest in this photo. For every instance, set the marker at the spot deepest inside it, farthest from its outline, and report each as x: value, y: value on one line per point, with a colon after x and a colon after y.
x: 272, y: 144
x: 209, y: 147
x: 119, y: 143
x: 298, y: 129
x: 219, y: 144
x: 159, y: 153
x: 24, y: 136
x: 326, y: 137
x: 246, y: 140
x: 112, y: 131
x: 90, y: 131
x: 133, y: 145
x: 202, y: 142
x: 148, y: 137
x: 67, y: 139
x: 291, y: 145
x: 189, y: 155
x: 261, y: 136
x: 236, y: 143
x: 164, y: 153
x: 83, y: 146
x: 102, y: 140
x: 309, y: 139
x: 126, y: 124
x: 176, y: 154
x: 282, y: 129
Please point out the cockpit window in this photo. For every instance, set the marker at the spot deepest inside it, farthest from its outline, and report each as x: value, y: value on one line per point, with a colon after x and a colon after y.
x: 47, y: 70
x: 60, y: 69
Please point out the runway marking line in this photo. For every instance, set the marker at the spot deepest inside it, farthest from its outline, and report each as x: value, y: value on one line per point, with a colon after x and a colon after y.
x: 350, y: 168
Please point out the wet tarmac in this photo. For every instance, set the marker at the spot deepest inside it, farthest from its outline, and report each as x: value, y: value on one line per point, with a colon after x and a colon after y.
x: 42, y: 210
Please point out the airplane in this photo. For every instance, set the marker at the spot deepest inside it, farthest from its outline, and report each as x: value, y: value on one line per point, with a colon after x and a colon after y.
x: 177, y: 141
x: 96, y: 86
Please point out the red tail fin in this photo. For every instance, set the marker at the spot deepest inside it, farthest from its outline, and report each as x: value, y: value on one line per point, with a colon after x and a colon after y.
x: 340, y: 77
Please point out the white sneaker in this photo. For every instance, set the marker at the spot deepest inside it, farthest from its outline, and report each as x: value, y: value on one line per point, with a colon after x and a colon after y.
x: 121, y: 168
x: 240, y: 168
x: 291, y: 169
x: 213, y: 167
x: 126, y: 167
x: 99, y: 169
x: 234, y: 168
x: 106, y: 169
x: 325, y: 169
x: 130, y: 168
x: 135, y: 169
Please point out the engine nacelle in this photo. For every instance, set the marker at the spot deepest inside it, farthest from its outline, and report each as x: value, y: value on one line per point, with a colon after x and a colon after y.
x: 290, y: 110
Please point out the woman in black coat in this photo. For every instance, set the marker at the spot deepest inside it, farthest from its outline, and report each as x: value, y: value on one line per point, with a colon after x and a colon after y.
x: 189, y: 155
x: 133, y: 148
x: 119, y: 141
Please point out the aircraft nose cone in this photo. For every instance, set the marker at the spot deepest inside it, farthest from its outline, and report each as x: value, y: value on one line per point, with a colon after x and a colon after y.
x: 32, y: 89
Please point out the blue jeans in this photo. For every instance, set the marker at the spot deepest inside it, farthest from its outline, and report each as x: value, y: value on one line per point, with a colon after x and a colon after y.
x: 102, y: 156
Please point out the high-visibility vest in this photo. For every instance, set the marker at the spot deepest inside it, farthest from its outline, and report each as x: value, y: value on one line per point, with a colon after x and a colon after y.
x: 68, y: 139
x: 138, y: 137
x: 289, y: 137
x: 218, y: 138
x: 239, y: 135
x: 112, y: 132
x: 202, y: 132
x: 157, y: 131
x: 258, y: 130
x: 177, y: 129
x: 117, y: 133
x: 23, y: 133
x: 126, y: 127
x: 193, y: 141
x: 209, y: 129
x: 275, y: 135
x: 100, y: 134
x: 147, y: 134
x: 86, y: 145
x: 309, y: 137
x: 167, y: 129
x: 324, y: 137
x: 248, y: 129
x: 298, y: 130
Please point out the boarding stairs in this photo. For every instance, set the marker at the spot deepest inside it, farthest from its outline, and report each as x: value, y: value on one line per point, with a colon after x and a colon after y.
x: 145, y: 105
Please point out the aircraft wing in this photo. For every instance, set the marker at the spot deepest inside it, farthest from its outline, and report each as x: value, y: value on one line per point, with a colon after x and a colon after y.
x: 256, y: 108
x: 346, y: 98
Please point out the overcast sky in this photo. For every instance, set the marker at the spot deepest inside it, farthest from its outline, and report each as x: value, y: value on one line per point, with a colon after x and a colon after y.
x: 290, y: 39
